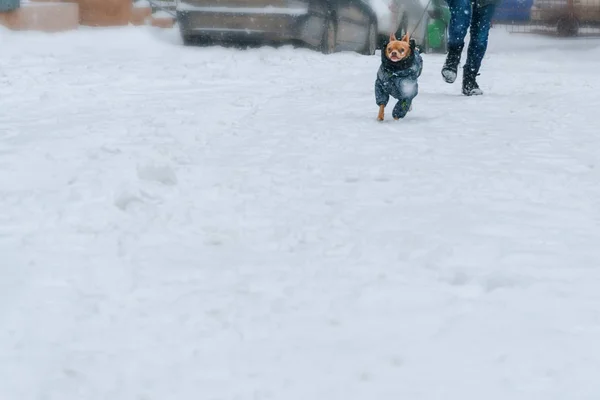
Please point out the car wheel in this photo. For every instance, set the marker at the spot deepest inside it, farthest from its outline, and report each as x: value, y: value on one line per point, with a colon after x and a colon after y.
x: 189, y: 40
x: 329, y: 37
x: 567, y: 26
x: 371, y: 45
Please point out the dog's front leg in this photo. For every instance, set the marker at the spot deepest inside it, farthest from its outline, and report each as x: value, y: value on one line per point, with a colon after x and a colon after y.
x: 381, y: 112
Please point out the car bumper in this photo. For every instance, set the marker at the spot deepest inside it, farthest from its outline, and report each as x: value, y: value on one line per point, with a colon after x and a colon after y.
x: 224, y: 23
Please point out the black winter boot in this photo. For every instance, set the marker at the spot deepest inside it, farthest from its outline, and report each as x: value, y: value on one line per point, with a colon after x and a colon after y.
x: 470, y: 86
x: 450, y: 68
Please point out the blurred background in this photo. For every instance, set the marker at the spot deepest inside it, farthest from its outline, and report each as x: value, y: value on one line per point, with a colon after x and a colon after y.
x: 324, y: 25
x: 362, y: 25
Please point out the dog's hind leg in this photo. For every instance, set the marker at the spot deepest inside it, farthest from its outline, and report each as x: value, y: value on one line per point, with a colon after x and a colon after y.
x: 401, y: 109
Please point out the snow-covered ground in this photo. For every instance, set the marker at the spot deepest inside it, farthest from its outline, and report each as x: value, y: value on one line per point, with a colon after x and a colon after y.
x: 204, y: 223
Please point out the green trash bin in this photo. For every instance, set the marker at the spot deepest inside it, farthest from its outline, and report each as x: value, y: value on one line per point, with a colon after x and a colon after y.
x: 9, y: 5
x: 437, y: 27
x: 436, y: 35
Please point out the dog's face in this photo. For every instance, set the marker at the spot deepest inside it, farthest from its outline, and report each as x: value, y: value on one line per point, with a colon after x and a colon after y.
x: 398, y: 50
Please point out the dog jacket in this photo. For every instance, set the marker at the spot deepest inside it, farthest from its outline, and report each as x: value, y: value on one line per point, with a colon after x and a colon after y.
x: 399, y: 79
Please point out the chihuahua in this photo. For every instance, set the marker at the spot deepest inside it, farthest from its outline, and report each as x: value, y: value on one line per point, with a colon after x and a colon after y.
x: 401, y: 66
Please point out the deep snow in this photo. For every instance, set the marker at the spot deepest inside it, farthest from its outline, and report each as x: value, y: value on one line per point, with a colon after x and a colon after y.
x: 206, y: 223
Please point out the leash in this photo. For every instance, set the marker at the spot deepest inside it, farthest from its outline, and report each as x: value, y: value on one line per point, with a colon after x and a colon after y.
x: 422, y: 15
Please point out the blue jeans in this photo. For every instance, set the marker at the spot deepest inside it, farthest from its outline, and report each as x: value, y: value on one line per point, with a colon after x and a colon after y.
x: 465, y: 13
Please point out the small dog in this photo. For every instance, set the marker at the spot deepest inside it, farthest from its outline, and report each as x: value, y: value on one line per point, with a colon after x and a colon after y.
x: 401, y: 66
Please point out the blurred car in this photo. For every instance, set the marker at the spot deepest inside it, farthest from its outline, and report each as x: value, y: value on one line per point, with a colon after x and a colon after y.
x: 566, y: 20
x: 9, y: 5
x: 328, y: 25
x: 415, y: 17
x: 513, y: 11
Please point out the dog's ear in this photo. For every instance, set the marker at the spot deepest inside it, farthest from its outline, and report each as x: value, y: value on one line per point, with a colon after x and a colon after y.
x: 406, y: 38
x: 393, y: 37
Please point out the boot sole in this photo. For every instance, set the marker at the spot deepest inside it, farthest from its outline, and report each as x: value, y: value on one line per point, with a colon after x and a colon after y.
x: 449, y: 75
x: 475, y: 92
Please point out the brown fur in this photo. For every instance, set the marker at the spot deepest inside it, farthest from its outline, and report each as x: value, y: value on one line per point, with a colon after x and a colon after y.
x: 381, y: 112
x: 396, y: 50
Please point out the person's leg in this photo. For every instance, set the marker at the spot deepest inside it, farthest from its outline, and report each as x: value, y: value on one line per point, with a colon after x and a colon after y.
x: 480, y: 29
x: 460, y: 19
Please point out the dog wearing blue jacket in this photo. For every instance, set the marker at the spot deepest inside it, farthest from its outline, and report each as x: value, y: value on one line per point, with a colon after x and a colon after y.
x: 401, y: 66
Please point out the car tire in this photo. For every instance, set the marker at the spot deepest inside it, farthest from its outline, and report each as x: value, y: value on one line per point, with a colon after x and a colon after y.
x: 567, y: 26
x: 371, y: 44
x: 189, y: 40
x: 328, y: 41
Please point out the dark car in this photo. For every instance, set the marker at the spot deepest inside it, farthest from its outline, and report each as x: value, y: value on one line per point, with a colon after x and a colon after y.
x: 513, y: 11
x: 328, y: 25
